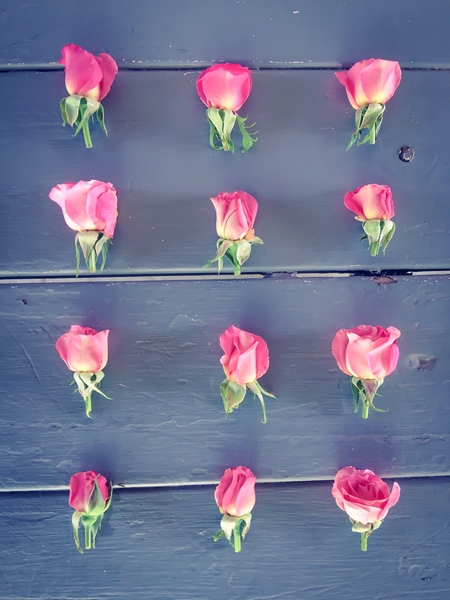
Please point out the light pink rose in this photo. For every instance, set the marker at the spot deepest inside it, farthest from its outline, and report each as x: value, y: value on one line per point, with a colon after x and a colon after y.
x: 362, y: 495
x: 87, y: 75
x: 371, y: 202
x: 235, y: 215
x: 83, y: 349
x: 235, y: 494
x: 366, y: 352
x: 87, y: 205
x: 225, y: 86
x: 82, y: 487
x: 371, y: 81
x: 246, y: 355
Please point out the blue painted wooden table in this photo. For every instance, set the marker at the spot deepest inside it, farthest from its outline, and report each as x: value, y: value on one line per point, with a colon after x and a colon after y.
x: 164, y: 439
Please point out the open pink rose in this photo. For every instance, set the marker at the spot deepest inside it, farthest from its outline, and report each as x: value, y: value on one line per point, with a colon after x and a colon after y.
x: 235, y: 494
x: 87, y: 205
x: 225, y: 86
x: 371, y: 202
x: 235, y: 215
x: 246, y: 355
x: 366, y: 352
x: 362, y: 495
x: 82, y: 487
x: 83, y: 349
x: 371, y: 81
x: 87, y: 75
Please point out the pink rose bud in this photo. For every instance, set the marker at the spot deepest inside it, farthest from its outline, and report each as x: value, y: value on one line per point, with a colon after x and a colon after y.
x: 89, y: 207
x: 373, y: 206
x: 90, y: 496
x: 367, y: 354
x: 85, y: 351
x: 235, y: 497
x: 88, y: 81
x: 365, y: 498
x: 369, y: 85
x: 224, y: 88
x: 246, y: 359
x: 235, y: 217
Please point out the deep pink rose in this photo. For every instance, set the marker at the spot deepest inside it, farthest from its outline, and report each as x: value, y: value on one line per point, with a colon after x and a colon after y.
x: 83, y: 349
x: 87, y: 205
x: 235, y: 494
x: 371, y: 202
x: 246, y: 355
x: 87, y: 75
x: 82, y: 487
x: 366, y: 352
x: 371, y: 81
x: 364, y: 496
x: 225, y: 86
x: 235, y: 215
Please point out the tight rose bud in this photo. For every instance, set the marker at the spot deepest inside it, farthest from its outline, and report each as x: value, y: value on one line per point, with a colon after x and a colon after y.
x: 369, y: 85
x: 89, y: 207
x: 87, y: 75
x: 365, y: 498
x: 371, y: 81
x: 223, y: 89
x: 373, y: 206
x: 246, y: 355
x: 225, y: 86
x: 246, y: 359
x: 235, y: 497
x: 88, y: 80
x: 85, y: 351
x: 368, y: 354
x: 90, y: 496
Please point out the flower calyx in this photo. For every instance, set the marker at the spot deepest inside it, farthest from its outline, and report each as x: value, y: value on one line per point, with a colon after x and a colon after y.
x: 221, y: 124
x: 237, y: 252
x: 233, y: 394
x: 367, y: 117
x: 365, y: 530
x: 234, y: 529
x: 92, y: 244
x: 365, y: 390
x: 87, y: 383
x: 78, y: 110
x: 378, y: 233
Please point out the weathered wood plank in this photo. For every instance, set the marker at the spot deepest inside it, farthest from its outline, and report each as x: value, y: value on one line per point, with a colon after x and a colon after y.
x: 158, y: 543
x: 158, y: 157
x: 166, y: 422
x: 257, y: 32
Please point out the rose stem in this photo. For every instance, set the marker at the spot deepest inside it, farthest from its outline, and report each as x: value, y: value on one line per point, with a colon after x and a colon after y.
x: 365, y: 411
x: 237, y: 539
x: 364, y: 542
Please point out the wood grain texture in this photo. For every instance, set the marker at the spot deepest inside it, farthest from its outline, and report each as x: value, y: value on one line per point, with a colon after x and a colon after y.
x: 158, y: 157
x: 158, y: 544
x: 166, y: 423
x: 261, y: 33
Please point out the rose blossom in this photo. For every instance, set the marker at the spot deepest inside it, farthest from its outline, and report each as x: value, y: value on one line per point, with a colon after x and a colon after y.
x: 87, y: 205
x: 246, y: 355
x: 235, y: 494
x: 371, y: 202
x: 225, y: 86
x: 81, y: 489
x: 366, y: 352
x: 371, y: 81
x: 83, y: 349
x: 235, y: 215
x: 87, y: 75
x: 362, y: 495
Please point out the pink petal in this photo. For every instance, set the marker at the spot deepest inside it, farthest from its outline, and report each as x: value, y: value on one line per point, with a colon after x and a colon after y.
x: 339, y: 350
x: 109, y: 69
x: 83, y: 73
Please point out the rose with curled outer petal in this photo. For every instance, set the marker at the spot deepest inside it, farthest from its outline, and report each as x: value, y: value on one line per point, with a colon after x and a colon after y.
x: 235, y: 215
x: 81, y: 489
x: 87, y: 75
x: 87, y: 205
x: 371, y: 202
x: 362, y: 495
x: 83, y: 349
x: 235, y: 494
x: 225, y: 86
x: 246, y: 355
x: 371, y: 81
x: 366, y: 352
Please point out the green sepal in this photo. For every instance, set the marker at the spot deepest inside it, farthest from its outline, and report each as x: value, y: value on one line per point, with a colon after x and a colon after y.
x: 71, y: 109
x: 92, y: 244
x: 259, y: 391
x: 247, y: 137
x: 367, y: 117
x: 75, y: 525
x: 222, y: 247
x: 219, y: 534
x: 101, y: 118
x: 232, y: 394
